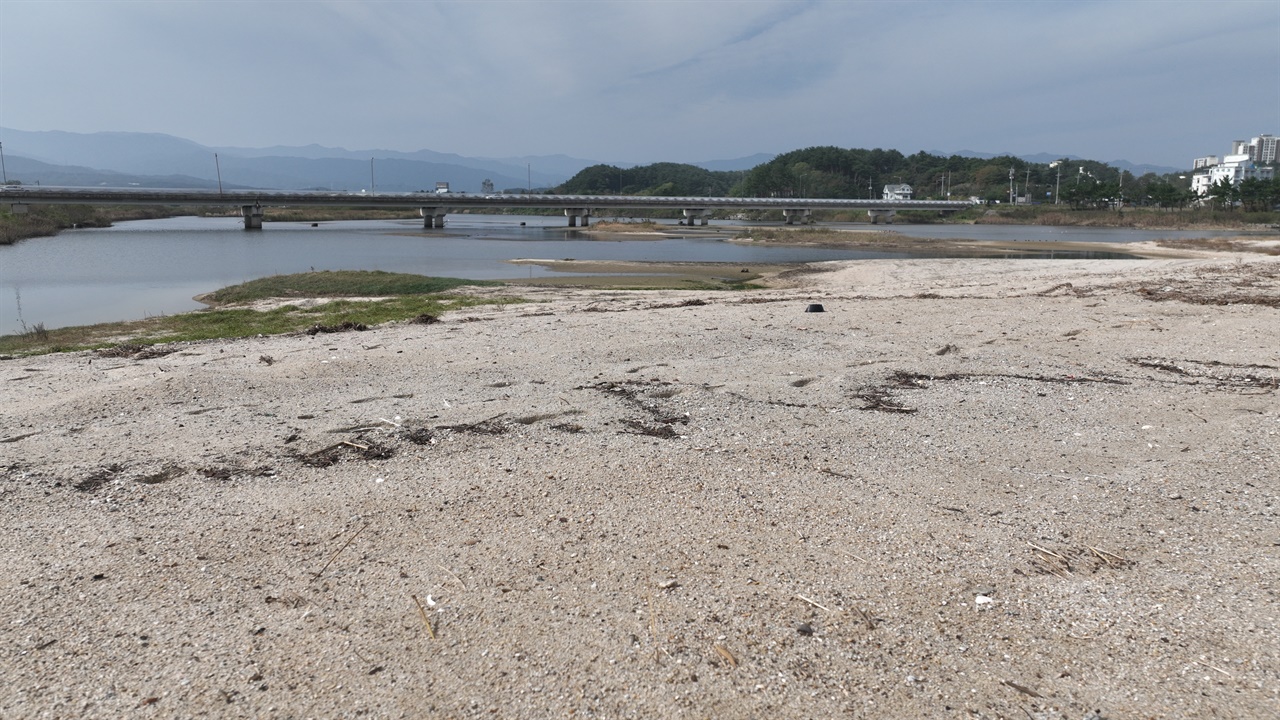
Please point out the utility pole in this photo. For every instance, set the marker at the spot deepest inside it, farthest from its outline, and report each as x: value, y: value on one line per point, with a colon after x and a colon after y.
x: 1026, y: 189
x: 1010, y: 185
x: 3, y: 171
x: 373, y: 187
x: 217, y: 166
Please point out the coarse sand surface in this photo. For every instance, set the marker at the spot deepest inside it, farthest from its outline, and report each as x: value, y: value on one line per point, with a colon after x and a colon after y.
x: 968, y: 488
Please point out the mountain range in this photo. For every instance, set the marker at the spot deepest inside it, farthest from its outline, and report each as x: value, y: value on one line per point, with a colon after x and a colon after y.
x: 123, y: 159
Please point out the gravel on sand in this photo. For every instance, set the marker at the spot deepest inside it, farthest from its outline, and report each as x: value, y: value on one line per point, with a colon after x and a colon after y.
x: 968, y: 488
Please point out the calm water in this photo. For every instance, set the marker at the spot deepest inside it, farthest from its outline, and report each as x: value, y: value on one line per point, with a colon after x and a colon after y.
x: 154, y: 267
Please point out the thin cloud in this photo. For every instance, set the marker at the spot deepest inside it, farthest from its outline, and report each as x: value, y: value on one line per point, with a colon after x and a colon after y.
x: 650, y: 81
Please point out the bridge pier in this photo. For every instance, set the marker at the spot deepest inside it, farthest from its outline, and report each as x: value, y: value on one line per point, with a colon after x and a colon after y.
x: 574, y: 213
x: 696, y: 216
x: 252, y: 216
x: 431, y: 217
x: 803, y: 216
x: 885, y: 215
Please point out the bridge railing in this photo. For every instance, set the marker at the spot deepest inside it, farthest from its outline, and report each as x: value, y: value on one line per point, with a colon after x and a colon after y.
x: 240, y: 198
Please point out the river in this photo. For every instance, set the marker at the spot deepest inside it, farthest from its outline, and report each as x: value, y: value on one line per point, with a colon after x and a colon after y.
x: 144, y: 268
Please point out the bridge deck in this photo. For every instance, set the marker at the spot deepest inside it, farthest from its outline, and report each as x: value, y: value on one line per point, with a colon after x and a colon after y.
x: 457, y: 201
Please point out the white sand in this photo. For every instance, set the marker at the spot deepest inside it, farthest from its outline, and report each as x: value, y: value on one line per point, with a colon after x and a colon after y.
x: 736, y: 509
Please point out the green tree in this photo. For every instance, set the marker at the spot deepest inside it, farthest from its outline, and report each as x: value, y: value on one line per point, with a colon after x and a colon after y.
x: 1166, y: 195
x: 666, y: 179
x: 1255, y: 194
x: 1225, y: 194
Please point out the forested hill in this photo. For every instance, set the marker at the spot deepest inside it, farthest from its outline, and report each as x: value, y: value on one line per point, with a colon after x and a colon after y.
x: 833, y: 172
x: 661, y: 179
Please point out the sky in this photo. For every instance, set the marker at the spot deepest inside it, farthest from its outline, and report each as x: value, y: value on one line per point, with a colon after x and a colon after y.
x: 1148, y: 81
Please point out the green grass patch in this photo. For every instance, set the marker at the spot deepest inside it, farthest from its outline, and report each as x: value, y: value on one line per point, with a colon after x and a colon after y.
x: 339, y: 283
x: 423, y: 296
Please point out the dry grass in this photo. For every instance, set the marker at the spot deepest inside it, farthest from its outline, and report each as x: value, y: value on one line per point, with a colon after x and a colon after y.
x: 644, y: 226
x: 1221, y: 244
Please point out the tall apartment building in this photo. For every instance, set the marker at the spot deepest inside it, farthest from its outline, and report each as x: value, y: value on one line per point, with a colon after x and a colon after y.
x: 1248, y: 159
x: 1261, y: 149
x: 1265, y: 149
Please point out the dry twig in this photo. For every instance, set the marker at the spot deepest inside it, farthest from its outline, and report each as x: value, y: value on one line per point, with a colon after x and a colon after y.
x: 723, y: 652
x: 1109, y: 559
x: 1021, y: 688
x: 813, y: 603
x: 455, y: 577
x: 339, y: 552
x: 1213, y: 667
x: 423, y: 612
x: 871, y: 623
x: 1051, y: 562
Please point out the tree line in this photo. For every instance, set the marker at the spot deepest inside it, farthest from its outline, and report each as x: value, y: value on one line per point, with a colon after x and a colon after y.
x: 833, y: 172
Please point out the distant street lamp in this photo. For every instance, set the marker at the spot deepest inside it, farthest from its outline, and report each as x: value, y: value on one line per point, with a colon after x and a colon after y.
x: 1057, y: 187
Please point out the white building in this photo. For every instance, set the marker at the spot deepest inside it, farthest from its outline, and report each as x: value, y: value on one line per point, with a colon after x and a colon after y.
x: 897, y: 192
x: 1242, y: 164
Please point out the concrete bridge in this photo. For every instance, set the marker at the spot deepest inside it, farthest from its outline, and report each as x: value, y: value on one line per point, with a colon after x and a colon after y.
x: 433, y: 207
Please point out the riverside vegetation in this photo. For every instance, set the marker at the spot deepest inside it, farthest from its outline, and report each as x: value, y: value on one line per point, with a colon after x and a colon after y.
x: 360, y: 299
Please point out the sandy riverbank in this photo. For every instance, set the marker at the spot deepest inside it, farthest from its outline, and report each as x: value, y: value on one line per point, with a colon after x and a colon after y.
x: 970, y: 488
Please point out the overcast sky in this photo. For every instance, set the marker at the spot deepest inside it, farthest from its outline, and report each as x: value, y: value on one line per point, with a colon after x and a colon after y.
x: 646, y: 80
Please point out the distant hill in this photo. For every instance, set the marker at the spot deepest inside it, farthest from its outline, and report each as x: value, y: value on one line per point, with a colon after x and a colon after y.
x: 123, y: 158
x: 1046, y: 158
x: 284, y: 168
x: 34, y: 172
